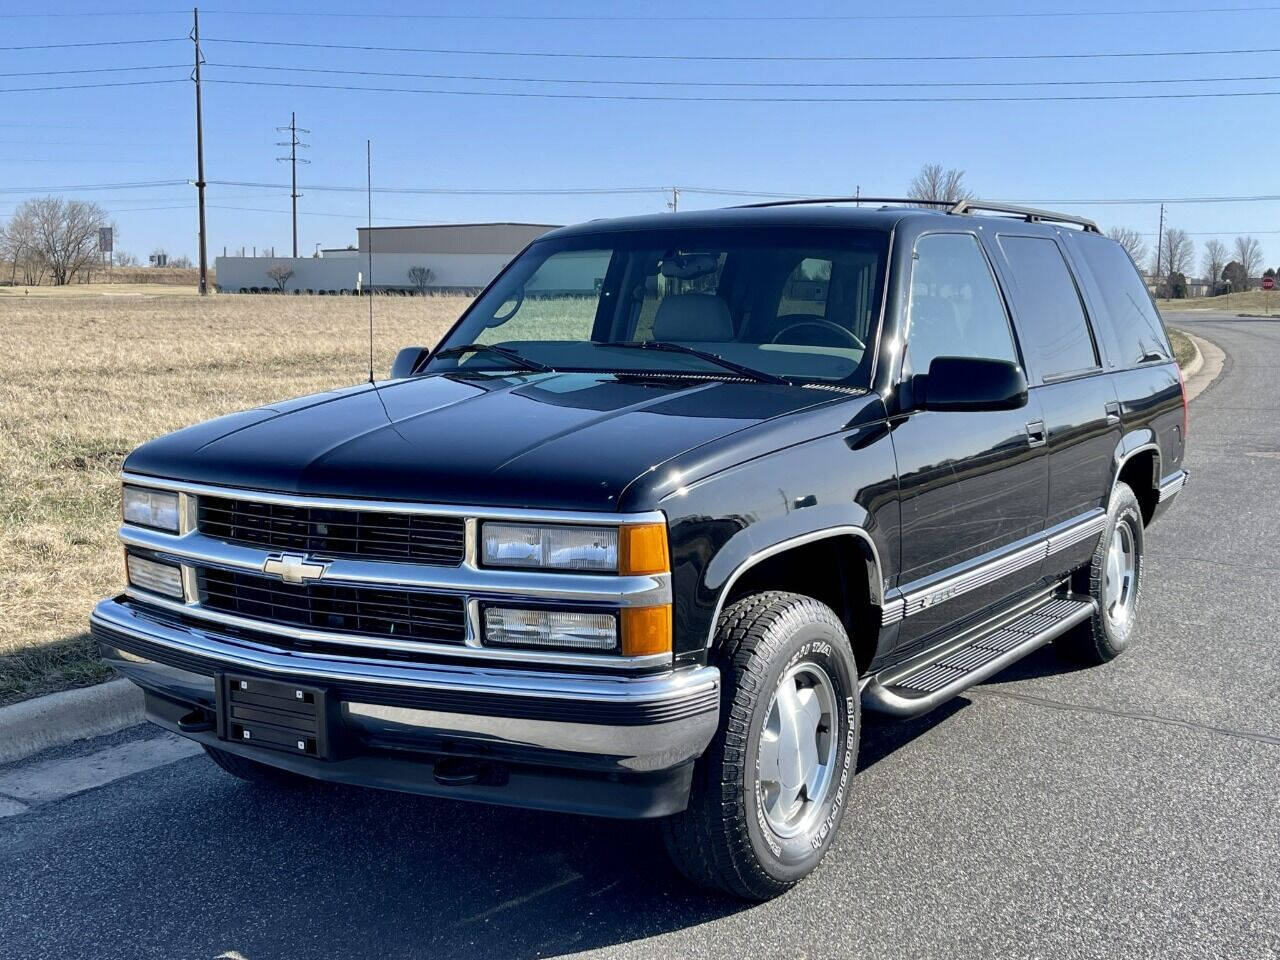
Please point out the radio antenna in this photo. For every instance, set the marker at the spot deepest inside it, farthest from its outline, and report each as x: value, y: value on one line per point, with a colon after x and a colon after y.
x: 368, y: 169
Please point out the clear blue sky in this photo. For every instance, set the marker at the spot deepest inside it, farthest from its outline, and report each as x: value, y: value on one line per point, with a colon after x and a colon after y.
x: 1046, y: 152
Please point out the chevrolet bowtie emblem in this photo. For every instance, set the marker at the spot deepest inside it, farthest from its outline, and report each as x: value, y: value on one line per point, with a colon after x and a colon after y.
x: 293, y: 568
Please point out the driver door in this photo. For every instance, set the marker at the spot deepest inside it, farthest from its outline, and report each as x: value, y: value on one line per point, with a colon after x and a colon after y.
x: 973, y: 484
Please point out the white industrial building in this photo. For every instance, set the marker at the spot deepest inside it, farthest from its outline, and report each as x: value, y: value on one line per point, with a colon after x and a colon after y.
x: 460, y: 256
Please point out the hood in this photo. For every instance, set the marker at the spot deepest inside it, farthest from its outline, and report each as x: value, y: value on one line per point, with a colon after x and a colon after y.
x: 558, y: 441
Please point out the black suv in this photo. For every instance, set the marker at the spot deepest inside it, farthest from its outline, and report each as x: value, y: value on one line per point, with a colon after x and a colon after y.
x: 674, y: 501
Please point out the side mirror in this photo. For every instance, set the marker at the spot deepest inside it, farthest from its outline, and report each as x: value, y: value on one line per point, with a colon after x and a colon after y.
x: 406, y: 361
x: 970, y: 383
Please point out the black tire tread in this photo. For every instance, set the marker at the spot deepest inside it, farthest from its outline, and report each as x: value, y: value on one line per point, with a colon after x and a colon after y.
x: 708, y: 842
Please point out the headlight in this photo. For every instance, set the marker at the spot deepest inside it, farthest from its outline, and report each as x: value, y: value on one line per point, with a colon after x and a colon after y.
x: 563, y: 629
x: 629, y: 549
x: 151, y: 508
x: 162, y: 578
x: 634, y: 632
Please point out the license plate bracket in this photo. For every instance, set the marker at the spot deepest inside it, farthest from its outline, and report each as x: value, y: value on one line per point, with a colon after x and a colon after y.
x: 274, y: 715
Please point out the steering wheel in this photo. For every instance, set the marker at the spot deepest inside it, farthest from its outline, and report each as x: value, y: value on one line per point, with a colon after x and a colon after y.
x: 845, y: 336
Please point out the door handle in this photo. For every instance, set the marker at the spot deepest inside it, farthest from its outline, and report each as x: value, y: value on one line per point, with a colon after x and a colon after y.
x: 1037, y: 436
x: 1113, y: 411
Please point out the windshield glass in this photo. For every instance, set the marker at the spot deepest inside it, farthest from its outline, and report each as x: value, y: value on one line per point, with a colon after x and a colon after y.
x: 798, y: 303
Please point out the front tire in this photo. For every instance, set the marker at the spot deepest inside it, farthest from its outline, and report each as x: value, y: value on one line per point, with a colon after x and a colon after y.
x: 1114, y: 580
x: 771, y: 790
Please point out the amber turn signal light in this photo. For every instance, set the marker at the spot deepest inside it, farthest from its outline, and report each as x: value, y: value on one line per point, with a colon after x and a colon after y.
x: 642, y: 549
x: 646, y: 630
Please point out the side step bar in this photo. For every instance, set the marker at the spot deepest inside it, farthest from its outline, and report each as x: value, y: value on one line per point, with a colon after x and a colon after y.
x: 918, y: 687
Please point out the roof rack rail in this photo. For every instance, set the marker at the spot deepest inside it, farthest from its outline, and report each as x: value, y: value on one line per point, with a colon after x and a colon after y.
x: 808, y: 200
x: 1030, y: 214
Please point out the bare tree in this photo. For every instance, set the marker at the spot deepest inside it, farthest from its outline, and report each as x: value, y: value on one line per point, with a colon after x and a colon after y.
x: 279, y: 275
x: 1177, y: 251
x: 421, y: 278
x: 935, y: 183
x: 182, y: 260
x: 66, y: 234
x: 1215, y: 258
x: 1132, y: 242
x: 1249, y: 253
x: 19, y: 247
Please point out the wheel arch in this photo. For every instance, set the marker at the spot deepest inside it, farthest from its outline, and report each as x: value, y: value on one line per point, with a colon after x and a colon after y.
x: 1137, y: 463
x: 839, y: 566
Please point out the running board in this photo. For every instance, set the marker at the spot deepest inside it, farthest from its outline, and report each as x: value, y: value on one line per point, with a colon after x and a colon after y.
x: 923, y: 685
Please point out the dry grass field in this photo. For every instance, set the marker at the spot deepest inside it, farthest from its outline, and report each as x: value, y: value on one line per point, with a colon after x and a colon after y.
x: 1264, y: 302
x: 84, y: 379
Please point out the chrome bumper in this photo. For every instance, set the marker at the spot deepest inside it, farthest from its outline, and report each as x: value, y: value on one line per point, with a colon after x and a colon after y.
x: 603, y: 723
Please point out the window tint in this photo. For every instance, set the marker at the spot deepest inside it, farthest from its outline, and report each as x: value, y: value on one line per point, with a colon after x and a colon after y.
x: 956, y: 310
x: 1134, y: 318
x: 1055, y: 333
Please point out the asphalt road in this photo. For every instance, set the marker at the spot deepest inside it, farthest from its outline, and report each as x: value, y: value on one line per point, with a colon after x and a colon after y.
x: 1125, y: 811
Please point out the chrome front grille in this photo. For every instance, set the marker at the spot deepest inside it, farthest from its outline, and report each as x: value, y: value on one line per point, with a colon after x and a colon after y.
x: 367, y: 534
x: 373, y: 611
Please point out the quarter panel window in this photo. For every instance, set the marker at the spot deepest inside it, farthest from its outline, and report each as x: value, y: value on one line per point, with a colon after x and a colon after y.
x: 1134, y: 319
x: 956, y: 309
x: 1051, y: 320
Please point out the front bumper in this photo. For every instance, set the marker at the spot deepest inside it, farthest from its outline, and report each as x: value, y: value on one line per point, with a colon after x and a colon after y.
x: 591, y: 743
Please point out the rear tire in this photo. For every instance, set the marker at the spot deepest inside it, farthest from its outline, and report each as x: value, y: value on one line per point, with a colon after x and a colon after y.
x: 1114, y: 580
x: 252, y: 771
x: 771, y: 790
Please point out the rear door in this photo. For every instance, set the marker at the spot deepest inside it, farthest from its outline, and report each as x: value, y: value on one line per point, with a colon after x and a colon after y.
x: 1077, y: 398
x: 973, y: 483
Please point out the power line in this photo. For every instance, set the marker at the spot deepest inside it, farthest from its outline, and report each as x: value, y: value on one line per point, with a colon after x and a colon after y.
x: 93, y: 43
x: 54, y: 73
x: 87, y: 187
x: 763, y: 18
x: 740, y: 83
x: 748, y: 58
x: 94, y: 86
x: 664, y: 98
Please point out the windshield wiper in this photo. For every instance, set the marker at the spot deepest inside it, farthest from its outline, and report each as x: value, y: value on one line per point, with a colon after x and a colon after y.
x: 760, y: 376
x: 518, y: 359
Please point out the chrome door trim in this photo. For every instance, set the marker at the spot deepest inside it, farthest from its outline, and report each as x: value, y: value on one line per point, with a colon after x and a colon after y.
x: 989, y: 567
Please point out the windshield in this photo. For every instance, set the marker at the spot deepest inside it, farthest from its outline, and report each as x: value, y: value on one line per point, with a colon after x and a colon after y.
x: 793, y: 303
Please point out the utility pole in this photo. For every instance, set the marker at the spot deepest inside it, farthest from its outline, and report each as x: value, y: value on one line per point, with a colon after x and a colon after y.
x: 200, y: 184
x: 674, y: 203
x: 293, y: 143
x: 1159, y: 248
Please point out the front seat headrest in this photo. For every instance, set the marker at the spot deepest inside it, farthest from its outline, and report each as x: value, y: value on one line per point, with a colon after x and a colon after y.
x: 693, y: 316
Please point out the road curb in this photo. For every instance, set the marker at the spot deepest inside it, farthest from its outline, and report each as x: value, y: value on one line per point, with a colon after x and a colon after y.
x: 1192, y: 368
x: 1206, y: 368
x: 28, y: 727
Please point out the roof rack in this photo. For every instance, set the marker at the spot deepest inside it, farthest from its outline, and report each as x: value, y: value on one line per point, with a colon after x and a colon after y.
x: 1030, y: 214
x: 807, y: 200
